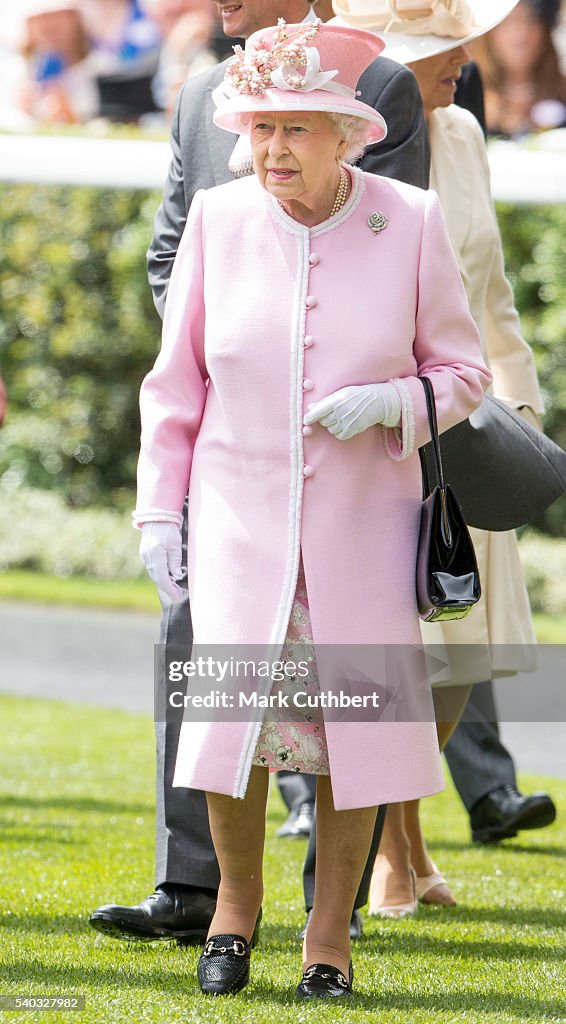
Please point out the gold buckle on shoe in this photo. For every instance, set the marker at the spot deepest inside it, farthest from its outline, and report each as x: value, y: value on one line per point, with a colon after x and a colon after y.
x: 312, y: 971
x: 238, y: 948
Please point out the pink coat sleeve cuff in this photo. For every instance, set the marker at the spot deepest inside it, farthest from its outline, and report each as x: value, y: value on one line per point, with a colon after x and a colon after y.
x: 399, y: 442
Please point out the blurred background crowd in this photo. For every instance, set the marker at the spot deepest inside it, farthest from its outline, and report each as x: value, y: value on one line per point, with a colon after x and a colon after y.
x: 74, y: 61
x: 70, y: 61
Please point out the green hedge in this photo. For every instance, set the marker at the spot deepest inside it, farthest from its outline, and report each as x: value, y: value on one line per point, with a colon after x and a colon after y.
x: 535, y: 251
x: 49, y: 537
x: 77, y: 335
x: 78, y: 331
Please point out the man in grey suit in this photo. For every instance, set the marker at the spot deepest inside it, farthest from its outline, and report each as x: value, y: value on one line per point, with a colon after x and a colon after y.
x: 186, y: 869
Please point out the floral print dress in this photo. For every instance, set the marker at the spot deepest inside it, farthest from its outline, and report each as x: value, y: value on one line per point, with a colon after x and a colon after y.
x: 296, y: 746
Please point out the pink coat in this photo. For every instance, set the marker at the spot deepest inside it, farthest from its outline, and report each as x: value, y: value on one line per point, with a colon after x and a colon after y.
x: 264, y: 316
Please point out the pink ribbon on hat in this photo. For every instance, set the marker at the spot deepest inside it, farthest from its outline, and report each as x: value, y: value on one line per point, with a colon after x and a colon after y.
x: 452, y: 18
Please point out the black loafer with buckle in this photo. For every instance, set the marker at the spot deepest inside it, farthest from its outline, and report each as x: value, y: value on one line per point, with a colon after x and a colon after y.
x: 224, y: 965
x: 321, y: 981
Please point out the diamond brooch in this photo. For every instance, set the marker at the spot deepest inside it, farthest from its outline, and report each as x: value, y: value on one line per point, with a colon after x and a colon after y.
x: 378, y: 222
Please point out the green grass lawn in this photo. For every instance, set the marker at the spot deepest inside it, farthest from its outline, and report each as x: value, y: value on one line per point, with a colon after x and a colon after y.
x: 76, y: 805
x: 25, y: 585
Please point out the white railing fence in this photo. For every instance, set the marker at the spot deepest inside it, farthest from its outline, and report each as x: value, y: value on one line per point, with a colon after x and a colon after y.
x: 520, y: 174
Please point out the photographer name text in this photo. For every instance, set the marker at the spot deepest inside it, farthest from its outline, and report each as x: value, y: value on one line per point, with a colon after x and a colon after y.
x: 279, y: 700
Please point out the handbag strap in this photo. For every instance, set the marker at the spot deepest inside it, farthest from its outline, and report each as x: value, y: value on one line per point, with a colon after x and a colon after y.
x: 433, y: 427
x: 427, y: 489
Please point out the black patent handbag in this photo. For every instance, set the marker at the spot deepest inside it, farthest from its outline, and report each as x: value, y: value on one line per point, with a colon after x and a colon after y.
x: 448, y: 582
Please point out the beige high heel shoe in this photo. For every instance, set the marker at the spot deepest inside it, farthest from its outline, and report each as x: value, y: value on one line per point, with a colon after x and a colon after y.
x: 380, y: 906
x: 434, y: 889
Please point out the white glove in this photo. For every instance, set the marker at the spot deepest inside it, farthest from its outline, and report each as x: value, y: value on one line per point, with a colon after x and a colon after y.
x: 349, y: 411
x: 160, y: 551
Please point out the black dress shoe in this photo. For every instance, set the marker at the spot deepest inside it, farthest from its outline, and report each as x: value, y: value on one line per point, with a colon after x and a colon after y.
x: 299, y: 823
x: 224, y: 965
x: 505, y: 811
x: 182, y: 914
x: 356, y: 926
x: 320, y: 981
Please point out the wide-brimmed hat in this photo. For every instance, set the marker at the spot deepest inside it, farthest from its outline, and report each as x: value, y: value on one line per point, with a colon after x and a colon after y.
x: 415, y: 29
x: 310, y: 67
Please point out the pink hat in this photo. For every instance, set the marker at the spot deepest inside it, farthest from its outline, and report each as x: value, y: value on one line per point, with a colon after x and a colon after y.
x: 308, y: 67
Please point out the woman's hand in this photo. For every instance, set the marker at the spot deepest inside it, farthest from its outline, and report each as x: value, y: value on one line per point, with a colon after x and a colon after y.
x: 351, y: 410
x: 160, y: 551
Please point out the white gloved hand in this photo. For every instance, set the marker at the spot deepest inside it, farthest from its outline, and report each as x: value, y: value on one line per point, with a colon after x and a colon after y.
x: 160, y: 551
x: 351, y: 410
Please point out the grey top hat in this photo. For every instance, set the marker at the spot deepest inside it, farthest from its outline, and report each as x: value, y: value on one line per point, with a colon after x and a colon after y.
x: 503, y: 471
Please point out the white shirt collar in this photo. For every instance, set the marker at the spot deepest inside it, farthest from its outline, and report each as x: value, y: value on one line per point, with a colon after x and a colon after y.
x: 311, y: 16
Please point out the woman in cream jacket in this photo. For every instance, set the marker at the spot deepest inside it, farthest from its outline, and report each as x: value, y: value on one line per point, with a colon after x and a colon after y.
x: 496, y: 639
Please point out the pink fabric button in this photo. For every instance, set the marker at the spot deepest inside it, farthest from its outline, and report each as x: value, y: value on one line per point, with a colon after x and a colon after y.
x: 307, y: 431
x: 311, y: 301
x: 307, y: 384
x: 314, y: 260
x: 308, y: 471
x: 309, y: 340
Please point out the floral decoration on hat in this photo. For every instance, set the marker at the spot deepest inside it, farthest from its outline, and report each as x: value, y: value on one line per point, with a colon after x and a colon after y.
x: 311, y: 66
x: 282, y: 66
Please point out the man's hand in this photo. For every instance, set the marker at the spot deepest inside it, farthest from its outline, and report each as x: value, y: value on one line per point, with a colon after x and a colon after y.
x: 351, y: 410
x: 160, y: 551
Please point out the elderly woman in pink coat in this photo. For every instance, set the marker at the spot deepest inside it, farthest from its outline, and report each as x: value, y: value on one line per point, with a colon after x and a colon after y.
x: 305, y: 303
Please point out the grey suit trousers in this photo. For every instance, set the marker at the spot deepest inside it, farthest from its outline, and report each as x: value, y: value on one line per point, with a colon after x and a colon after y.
x: 476, y: 757
x: 184, y: 853
x: 296, y: 788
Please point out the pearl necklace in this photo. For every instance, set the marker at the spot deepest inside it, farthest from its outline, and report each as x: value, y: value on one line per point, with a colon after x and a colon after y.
x: 342, y: 193
x: 340, y: 198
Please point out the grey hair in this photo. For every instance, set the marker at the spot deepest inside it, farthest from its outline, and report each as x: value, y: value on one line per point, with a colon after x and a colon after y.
x: 354, y: 130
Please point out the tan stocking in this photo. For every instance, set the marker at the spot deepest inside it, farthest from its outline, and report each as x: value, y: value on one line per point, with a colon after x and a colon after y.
x: 392, y: 883
x: 449, y: 704
x: 343, y: 840
x: 238, y: 833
